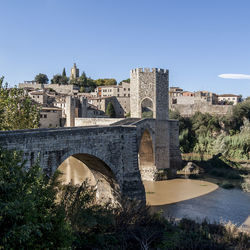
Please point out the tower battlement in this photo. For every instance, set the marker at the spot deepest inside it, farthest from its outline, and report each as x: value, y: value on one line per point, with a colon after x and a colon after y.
x: 151, y: 84
x: 148, y: 70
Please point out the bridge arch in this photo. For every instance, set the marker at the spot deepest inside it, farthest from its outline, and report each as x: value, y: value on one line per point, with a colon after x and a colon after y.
x: 146, y: 155
x: 78, y: 167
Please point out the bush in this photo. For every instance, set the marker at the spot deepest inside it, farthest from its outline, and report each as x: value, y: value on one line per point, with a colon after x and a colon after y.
x: 227, y: 185
x: 29, y: 216
x: 218, y: 172
x: 110, y: 110
x: 233, y: 175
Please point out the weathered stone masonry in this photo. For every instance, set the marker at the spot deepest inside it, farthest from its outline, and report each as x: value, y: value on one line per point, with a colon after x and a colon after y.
x: 113, y: 149
x: 152, y: 85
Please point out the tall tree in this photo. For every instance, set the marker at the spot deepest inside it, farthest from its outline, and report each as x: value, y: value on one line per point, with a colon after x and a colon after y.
x: 59, y: 79
x: 64, y: 72
x: 56, y: 79
x: 110, y: 111
x: 41, y: 78
x: 1, y: 81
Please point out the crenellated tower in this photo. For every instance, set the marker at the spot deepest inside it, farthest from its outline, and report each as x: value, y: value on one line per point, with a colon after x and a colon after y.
x: 149, y: 88
x: 149, y: 95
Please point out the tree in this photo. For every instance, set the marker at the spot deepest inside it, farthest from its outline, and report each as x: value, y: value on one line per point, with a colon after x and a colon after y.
x: 127, y: 80
x: 64, y: 72
x: 41, y: 78
x: 56, y: 79
x: 106, y: 82
x: 1, y: 81
x: 86, y: 84
x: 82, y: 80
x: 29, y: 215
x: 59, y: 79
x: 17, y: 111
x: 110, y: 111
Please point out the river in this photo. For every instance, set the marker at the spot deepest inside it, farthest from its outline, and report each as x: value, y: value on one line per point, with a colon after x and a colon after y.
x: 178, y: 198
x: 197, y: 200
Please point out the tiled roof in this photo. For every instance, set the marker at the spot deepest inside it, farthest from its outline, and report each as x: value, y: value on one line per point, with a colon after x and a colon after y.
x: 228, y: 95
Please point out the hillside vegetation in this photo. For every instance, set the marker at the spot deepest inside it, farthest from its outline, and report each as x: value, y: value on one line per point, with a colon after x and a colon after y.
x: 207, y: 134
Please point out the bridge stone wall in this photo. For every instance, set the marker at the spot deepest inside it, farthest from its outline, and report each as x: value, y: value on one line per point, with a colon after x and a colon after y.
x: 115, y: 147
x: 174, y: 148
x: 96, y: 121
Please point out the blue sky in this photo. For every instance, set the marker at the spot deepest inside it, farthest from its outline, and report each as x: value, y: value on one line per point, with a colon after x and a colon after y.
x: 196, y: 40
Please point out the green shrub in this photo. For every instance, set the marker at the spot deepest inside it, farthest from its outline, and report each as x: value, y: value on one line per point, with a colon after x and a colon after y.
x: 233, y: 175
x: 29, y: 216
x: 227, y: 185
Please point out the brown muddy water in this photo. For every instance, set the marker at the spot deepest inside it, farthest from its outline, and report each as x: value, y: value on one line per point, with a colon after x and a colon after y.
x: 198, y: 200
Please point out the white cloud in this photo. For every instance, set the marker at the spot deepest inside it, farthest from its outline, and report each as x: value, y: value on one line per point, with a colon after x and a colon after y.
x: 234, y: 76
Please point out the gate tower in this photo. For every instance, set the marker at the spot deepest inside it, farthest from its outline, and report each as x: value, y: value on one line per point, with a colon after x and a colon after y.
x: 149, y: 89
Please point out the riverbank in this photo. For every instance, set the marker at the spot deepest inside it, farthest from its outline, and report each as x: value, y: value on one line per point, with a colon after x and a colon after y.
x: 227, y: 173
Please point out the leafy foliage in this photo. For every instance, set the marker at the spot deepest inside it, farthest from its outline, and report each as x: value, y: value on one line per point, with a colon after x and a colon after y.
x: 85, y: 84
x: 209, y: 134
x: 128, y: 226
x: 29, y: 216
x: 60, y: 79
x: 106, y: 82
x: 41, y: 78
x: 17, y: 111
x: 110, y: 111
x: 127, y: 80
x: 189, y: 234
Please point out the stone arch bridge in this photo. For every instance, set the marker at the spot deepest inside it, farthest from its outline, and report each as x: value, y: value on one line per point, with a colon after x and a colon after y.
x: 124, y: 152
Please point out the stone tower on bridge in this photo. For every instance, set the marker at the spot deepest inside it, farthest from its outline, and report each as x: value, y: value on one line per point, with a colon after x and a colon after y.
x: 149, y: 89
x: 149, y: 93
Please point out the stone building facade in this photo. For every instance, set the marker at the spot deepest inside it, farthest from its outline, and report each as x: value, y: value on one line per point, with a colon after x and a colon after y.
x: 229, y: 98
x: 121, y: 104
x: 122, y: 90
x: 39, y: 96
x: 50, y: 117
